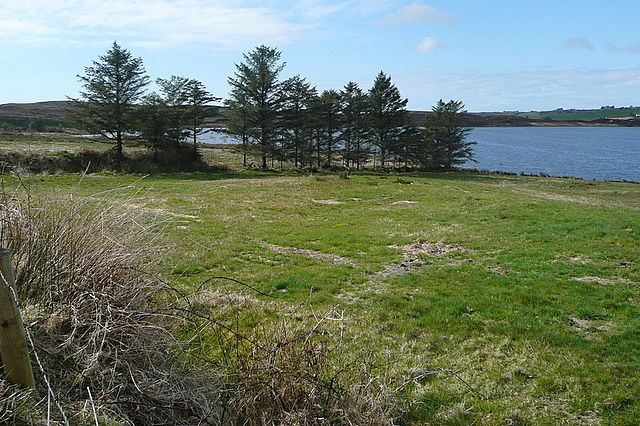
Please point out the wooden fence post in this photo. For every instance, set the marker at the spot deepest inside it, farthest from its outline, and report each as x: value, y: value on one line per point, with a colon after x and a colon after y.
x: 13, y: 343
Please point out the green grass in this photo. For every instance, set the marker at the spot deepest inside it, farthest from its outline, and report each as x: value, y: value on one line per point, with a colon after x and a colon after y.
x: 579, y: 114
x: 515, y: 336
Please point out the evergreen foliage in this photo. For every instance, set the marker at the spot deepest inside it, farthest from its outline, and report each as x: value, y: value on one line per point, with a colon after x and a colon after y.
x: 174, y: 94
x: 111, y: 87
x: 152, y: 122
x: 287, y: 121
x: 256, y: 82
x: 327, y: 110
x: 297, y: 98
x: 197, y: 102
x: 388, y: 116
x: 355, y: 129
x: 445, y: 142
x: 239, y: 119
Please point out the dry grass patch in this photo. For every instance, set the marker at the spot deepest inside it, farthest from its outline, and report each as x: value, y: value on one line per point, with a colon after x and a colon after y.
x: 499, y: 271
x: 327, y: 202
x: 603, y: 281
x: 313, y: 254
x: 413, y: 255
x: 502, y: 373
x: 162, y: 212
x: 404, y: 203
x: 208, y: 300
x: 579, y: 260
x: 590, y: 329
x: 103, y: 343
x: 310, y: 376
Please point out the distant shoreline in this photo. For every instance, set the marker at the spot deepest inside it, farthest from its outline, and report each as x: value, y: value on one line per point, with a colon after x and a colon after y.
x: 53, y: 113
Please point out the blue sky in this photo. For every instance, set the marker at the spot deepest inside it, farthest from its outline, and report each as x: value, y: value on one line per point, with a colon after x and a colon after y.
x: 493, y: 55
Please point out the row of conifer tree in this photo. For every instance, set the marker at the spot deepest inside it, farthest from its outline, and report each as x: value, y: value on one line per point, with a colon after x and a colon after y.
x: 284, y: 122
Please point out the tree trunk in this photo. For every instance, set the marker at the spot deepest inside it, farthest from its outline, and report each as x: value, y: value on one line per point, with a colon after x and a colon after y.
x: 244, y: 150
x: 263, y: 143
x: 195, y: 143
x: 119, y: 153
x: 318, y: 147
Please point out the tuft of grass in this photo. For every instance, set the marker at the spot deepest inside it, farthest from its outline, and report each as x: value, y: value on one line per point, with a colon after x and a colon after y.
x: 307, y: 374
x: 116, y: 345
x: 99, y: 336
x: 344, y: 174
x: 402, y: 181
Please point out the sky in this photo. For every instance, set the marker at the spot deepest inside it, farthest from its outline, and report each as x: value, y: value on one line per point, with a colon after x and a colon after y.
x: 493, y: 55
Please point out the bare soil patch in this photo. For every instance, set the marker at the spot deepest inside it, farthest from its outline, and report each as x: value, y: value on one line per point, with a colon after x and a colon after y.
x: 603, y: 281
x: 579, y: 260
x: 588, y: 328
x: 313, y: 254
x: 162, y: 212
x: 327, y: 202
x: 499, y: 271
x: 210, y: 299
x: 348, y: 298
x: 404, y: 203
x: 413, y: 255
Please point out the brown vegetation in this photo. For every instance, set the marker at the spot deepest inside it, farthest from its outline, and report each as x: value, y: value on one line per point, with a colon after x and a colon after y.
x: 114, y: 344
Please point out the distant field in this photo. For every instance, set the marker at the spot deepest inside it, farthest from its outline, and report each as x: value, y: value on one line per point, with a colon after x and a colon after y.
x: 63, y: 145
x: 586, y: 115
x: 522, y: 293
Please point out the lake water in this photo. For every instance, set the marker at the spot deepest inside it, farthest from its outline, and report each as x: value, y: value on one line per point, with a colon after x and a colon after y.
x: 602, y: 153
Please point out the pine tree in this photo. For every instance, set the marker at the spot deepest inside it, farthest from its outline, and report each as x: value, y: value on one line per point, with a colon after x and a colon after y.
x: 445, y: 138
x: 297, y: 95
x: 388, y: 115
x: 355, y: 129
x: 197, y: 101
x: 328, y: 119
x: 174, y: 95
x: 407, y: 150
x: 152, y: 125
x: 239, y: 119
x: 111, y: 88
x: 256, y: 80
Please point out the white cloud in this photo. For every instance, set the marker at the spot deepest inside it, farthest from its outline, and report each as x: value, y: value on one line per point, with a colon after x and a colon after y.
x: 415, y: 13
x: 578, y: 43
x: 10, y: 27
x: 151, y: 23
x: 429, y: 45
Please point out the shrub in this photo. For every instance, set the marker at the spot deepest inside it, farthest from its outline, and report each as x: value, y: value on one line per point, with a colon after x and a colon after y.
x: 94, y: 320
x: 99, y: 161
x: 112, y: 341
x: 308, y: 376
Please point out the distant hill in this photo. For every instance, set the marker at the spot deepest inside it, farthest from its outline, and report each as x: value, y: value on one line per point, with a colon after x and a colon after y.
x: 52, y: 113
x: 560, y: 114
x: 50, y: 110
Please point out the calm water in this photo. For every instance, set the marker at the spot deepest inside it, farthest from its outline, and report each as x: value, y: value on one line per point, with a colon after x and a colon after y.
x: 603, y: 153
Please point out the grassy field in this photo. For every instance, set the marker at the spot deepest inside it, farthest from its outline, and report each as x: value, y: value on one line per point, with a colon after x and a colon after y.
x: 580, y: 114
x: 521, y: 295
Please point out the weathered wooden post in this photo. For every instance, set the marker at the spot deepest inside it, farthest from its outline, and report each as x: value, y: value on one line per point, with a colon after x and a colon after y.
x: 13, y: 343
